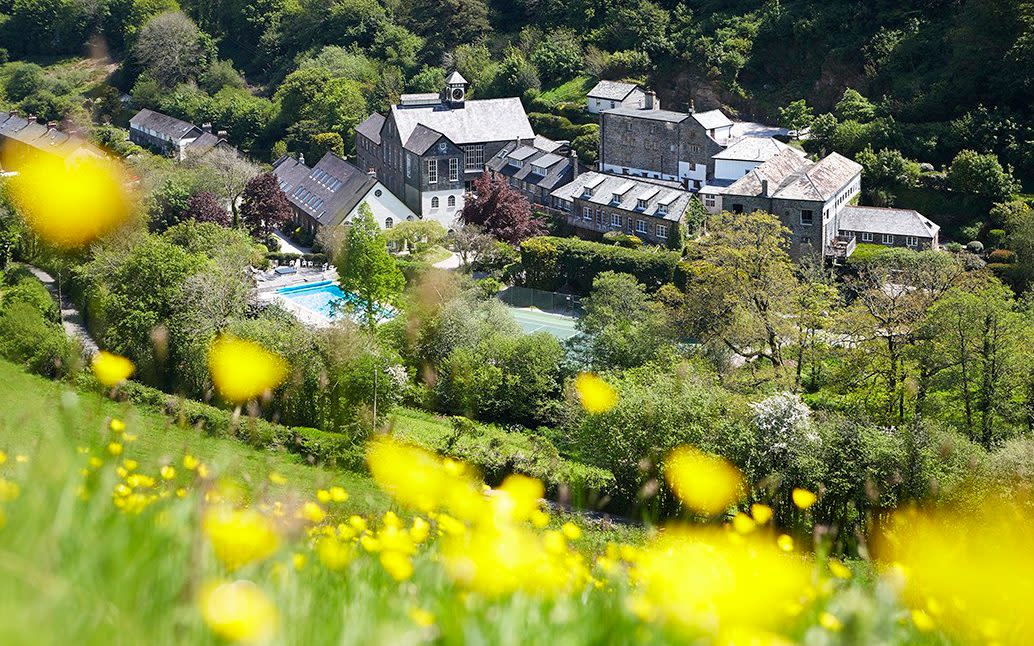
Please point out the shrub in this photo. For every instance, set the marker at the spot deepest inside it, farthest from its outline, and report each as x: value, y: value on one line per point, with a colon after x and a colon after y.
x: 553, y: 263
x: 626, y: 240
x: 36, y: 344
x: 996, y: 237
x: 34, y: 294
x: 954, y: 247
x: 975, y: 246
x: 1002, y: 256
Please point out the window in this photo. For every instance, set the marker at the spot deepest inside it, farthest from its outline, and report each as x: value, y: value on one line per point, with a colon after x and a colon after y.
x: 615, y: 220
x: 452, y: 200
x: 586, y: 213
x: 709, y: 201
x: 473, y: 157
x: 866, y: 237
x: 432, y: 171
x: 662, y: 209
x: 454, y: 170
x: 887, y: 238
x: 640, y: 226
x: 434, y: 202
x: 388, y: 223
x: 662, y: 231
x: 640, y: 204
x: 807, y: 218
x: 912, y: 241
x: 409, y: 166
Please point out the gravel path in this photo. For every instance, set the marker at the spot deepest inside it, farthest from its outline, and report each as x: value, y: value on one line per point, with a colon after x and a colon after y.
x: 71, y: 318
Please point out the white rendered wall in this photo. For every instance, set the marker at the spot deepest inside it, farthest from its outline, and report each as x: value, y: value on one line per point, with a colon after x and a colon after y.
x: 733, y: 169
x: 384, y: 206
x: 444, y: 214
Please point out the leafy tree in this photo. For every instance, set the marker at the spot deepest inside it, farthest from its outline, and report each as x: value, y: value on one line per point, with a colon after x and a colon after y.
x: 172, y: 49
x: 332, y: 103
x: 410, y: 233
x: 428, y: 79
x: 219, y: 75
x: 232, y: 173
x: 444, y: 24
x: 204, y: 206
x: 677, y: 237
x: 366, y: 269
x: 796, y: 116
x: 474, y: 62
x: 170, y: 203
x: 622, y: 326
x: 971, y: 173
x: 471, y: 242
x: 326, y: 142
x: 887, y: 170
x: 558, y: 57
x: 501, y: 211
x: 264, y: 206
x: 1019, y: 223
x: 854, y: 107
x: 25, y: 80
x: 516, y: 75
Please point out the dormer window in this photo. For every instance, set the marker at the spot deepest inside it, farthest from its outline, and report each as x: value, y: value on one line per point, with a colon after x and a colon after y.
x: 662, y: 209
x: 538, y: 170
x: 587, y: 191
x: 640, y: 204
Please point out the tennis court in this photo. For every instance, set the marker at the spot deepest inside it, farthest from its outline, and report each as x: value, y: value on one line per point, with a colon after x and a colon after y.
x: 535, y: 320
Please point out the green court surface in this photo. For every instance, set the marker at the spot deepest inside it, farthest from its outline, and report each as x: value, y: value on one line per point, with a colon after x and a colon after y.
x: 535, y: 320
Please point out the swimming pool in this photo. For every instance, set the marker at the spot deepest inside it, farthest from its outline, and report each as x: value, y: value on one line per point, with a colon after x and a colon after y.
x: 328, y: 300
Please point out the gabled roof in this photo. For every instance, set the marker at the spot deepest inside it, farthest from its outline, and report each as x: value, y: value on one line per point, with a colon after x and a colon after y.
x: 712, y: 119
x: 902, y: 222
x: 205, y: 143
x: 653, y: 115
x: 548, y: 145
x: 476, y: 122
x: 175, y: 129
x: 328, y: 191
x: 630, y: 190
x: 792, y: 177
x: 44, y: 138
x: 455, y: 78
x: 612, y: 90
x: 559, y: 169
x: 422, y: 139
x: 754, y: 149
x: 371, y: 127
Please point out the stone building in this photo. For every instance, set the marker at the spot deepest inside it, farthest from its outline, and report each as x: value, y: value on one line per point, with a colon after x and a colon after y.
x: 891, y: 227
x: 24, y: 139
x: 607, y: 95
x: 741, y: 157
x: 331, y: 192
x: 663, y: 144
x: 595, y: 203
x: 174, y: 137
x: 430, y: 148
x: 536, y: 169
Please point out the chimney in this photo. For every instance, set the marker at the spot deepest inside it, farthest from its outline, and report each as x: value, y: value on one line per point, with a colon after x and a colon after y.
x: 222, y: 134
x: 301, y: 158
x: 692, y: 106
x: 51, y: 125
x: 574, y: 164
x: 31, y: 117
x: 764, y: 188
x: 372, y: 172
x: 12, y: 113
x: 206, y: 127
x: 651, y: 102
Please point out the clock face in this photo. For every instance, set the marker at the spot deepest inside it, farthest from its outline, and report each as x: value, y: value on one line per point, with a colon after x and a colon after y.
x: 442, y: 147
x: 457, y: 94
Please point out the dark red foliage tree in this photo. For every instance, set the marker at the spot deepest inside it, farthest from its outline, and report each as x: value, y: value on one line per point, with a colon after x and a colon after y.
x: 204, y: 206
x: 501, y: 210
x: 264, y: 206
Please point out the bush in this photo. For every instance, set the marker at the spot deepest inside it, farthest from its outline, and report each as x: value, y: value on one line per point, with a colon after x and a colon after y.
x: 36, y: 344
x: 954, y: 247
x: 553, y: 263
x: 626, y: 240
x: 1002, y: 256
x: 975, y: 246
x: 34, y: 294
x: 283, y: 257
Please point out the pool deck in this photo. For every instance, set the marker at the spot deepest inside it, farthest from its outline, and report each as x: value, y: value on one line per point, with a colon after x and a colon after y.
x: 266, y: 292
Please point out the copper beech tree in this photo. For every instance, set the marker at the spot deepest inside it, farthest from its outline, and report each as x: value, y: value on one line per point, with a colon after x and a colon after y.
x: 501, y: 211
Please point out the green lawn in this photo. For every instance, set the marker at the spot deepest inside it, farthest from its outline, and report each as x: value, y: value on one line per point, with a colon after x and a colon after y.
x: 573, y: 91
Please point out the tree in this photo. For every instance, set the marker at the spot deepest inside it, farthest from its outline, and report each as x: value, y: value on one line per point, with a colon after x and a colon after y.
x: 204, y: 206
x: 326, y: 142
x: 971, y: 173
x: 264, y: 206
x: 744, y: 284
x: 677, y: 237
x: 854, y: 107
x: 172, y: 49
x: 232, y: 172
x: 471, y: 242
x: 366, y: 269
x: 1019, y: 224
x: 169, y: 203
x: 796, y: 117
x: 558, y: 57
x: 622, y: 326
x: 501, y: 211
x: 444, y: 24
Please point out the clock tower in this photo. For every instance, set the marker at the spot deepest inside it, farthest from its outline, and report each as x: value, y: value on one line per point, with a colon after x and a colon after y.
x: 455, y: 90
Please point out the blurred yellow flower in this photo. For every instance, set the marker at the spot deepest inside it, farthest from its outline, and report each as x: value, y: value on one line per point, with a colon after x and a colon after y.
x: 276, y: 478
x: 111, y: 369
x: 244, y: 370
x: 803, y: 498
x: 571, y: 531
x: 596, y: 395
x: 115, y: 448
x: 839, y: 570
x: 830, y: 622
x: 239, y: 611
x: 70, y: 202
x: 761, y: 513
x: 785, y: 542
x: 313, y: 512
x: 743, y: 523
x: 168, y: 472
x: 333, y: 553
x: 922, y: 621
x: 338, y: 494
x: 190, y: 462
x: 240, y: 537
x: 399, y: 566
x: 421, y: 617
x: 705, y: 483
x: 117, y: 425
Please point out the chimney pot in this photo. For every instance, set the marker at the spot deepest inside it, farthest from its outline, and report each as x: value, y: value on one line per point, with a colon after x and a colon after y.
x: 651, y: 101
x: 31, y: 117
x: 222, y: 134
x: 692, y: 106
x: 206, y: 127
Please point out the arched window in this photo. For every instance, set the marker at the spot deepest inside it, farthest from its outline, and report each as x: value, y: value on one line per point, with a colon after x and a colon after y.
x: 388, y: 223
x: 452, y: 200
x: 434, y: 202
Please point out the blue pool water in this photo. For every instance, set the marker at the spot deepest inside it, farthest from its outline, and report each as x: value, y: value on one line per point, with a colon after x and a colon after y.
x: 327, y: 299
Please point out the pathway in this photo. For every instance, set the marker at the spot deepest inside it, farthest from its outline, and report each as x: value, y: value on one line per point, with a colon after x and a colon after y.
x: 71, y: 318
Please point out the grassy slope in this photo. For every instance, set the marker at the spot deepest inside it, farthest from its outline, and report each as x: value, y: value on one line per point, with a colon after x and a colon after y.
x: 30, y: 408
x: 573, y: 91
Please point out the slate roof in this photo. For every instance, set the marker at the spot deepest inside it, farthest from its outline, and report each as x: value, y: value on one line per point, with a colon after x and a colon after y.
x: 371, y: 127
x: 902, y: 222
x: 759, y: 149
x: 712, y: 119
x: 328, y: 191
x: 203, y: 144
x: 548, y: 145
x: 654, y: 115
x: 175, y: 129
x: 474, y: 123
x: 40, y: 137
x: 612, y: 90
x: 792, y: 177
x: 559, y: 169
x: 422, y: 139
x: 606, y: 185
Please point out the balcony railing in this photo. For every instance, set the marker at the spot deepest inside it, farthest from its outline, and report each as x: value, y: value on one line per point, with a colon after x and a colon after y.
x: 841, y: 246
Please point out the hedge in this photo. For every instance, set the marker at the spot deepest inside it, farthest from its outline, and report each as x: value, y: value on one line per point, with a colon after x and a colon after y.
x: 553, y: 264
x: 313, y: 445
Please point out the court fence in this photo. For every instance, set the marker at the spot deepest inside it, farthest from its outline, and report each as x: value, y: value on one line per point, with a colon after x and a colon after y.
x: 555, y: 302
